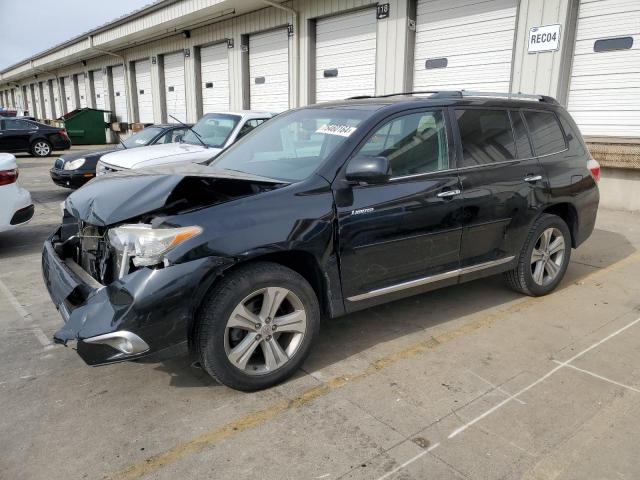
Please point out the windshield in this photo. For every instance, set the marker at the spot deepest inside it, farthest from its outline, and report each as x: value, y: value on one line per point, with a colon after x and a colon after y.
x: 293, y: 145
x: 142, y: 138
x: 214, y: 129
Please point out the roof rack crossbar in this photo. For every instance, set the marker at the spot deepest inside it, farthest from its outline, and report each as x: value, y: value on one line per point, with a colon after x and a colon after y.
x: 465, y: 93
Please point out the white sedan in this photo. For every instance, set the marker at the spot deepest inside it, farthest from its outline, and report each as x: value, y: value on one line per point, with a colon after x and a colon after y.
x: 16, y: 207
x: 208, y: 137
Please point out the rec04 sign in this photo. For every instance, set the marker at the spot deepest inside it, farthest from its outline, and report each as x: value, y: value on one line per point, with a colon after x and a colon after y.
x: 544, y: 39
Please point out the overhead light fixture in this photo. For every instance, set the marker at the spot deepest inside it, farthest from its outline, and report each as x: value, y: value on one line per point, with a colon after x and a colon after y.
x: 187, y: 52
x: 229, y: 42
x: 84, y: 63
x: 186, y: 33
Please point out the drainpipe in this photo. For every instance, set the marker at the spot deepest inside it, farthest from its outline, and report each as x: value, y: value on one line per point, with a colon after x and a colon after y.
x: 296, y: 33
x: 126, y: 75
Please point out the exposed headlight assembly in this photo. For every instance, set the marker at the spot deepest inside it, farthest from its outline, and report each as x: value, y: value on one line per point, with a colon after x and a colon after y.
x: 74, y: 164
x: 146, y: 245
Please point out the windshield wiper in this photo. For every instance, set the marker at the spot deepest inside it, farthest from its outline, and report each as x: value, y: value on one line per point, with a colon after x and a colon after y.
x: 194, y: 132
x: 121, y: 142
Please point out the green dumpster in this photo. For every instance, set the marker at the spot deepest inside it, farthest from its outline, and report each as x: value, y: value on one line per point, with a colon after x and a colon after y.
x: 86, y: 126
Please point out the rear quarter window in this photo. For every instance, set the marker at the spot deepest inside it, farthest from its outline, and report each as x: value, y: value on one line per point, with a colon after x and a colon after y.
x: 545, y: 131
x: 486, y: 136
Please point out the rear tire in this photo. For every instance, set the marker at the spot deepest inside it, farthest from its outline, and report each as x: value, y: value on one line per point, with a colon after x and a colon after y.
x: 256, y: 326
x: 544, y: 258
x: 41, y: 148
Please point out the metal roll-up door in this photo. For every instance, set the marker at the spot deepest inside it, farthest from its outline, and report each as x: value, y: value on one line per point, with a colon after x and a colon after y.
x: 82, y: 90
x: 119, y: 93
x: 214, y: 72
x: 604, y: 90
x: 346, y: 55
x: 69, y: 93
x: 99, y: 91
x: 269, y: 71
x: 175, y: 97
x: 464, y: 44
x: 144, y: 93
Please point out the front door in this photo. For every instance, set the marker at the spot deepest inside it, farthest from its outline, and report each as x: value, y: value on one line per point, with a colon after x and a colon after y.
x: 15, y: 134
x: 502, y: 183
x: 405, y: 234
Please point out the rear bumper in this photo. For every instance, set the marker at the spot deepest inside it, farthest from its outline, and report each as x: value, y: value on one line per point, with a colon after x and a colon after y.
x: 71, y: 178
x: 153, y: 308
x: 60, y: 143
x: 17, y: 207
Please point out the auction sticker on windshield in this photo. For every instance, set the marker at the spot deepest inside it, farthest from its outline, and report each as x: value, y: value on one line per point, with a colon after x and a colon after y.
x: 334, y: 129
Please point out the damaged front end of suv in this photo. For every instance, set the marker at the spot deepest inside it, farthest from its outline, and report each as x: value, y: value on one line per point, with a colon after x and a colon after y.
x: 129, y: 262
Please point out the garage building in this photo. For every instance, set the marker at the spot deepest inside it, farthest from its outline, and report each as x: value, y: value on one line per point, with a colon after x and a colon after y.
x: 178, y: 58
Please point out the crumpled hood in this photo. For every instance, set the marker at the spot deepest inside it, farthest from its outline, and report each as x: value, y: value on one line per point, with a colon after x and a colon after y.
x: 120, y: 196
x: 159, y: 155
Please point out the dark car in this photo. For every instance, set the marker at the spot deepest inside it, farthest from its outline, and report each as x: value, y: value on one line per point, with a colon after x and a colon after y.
x: 73, y: 170
x: 21, y: 135
x: 320, y: 212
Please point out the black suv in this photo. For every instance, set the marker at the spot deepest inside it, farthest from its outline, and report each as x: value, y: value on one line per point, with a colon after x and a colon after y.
x: 320, y: 212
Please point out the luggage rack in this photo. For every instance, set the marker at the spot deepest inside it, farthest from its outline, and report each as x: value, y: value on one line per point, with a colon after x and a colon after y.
x: 465, y: 94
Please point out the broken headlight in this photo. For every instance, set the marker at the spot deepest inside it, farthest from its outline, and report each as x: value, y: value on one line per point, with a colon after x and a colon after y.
x: 147, y: 245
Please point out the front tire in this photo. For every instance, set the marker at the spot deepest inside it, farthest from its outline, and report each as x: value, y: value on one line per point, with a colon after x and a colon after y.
x: 544, y: 258
x: 41, y: 148
x: 256, y: 326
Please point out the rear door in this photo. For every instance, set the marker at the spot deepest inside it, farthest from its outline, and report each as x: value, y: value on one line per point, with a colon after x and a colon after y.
x: 502, y: 182
x: 404, y: 233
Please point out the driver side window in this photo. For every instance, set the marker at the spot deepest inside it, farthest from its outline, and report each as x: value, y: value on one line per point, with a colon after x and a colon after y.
x: 413, y: 144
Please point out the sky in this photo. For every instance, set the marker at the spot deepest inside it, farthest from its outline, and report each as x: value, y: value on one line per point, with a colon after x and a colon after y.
x: 28, y: 27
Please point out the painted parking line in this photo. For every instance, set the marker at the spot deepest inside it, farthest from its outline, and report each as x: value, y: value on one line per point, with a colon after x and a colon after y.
x: 26, y: 317
x: 560, y: 365
x: 409, y: 462
x: 595, y: 375
x: 255, y: 419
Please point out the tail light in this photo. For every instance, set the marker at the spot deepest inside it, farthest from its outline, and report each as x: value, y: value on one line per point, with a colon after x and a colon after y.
x: 63, y: 132
x: 594, y: 168
x: 8, y: 177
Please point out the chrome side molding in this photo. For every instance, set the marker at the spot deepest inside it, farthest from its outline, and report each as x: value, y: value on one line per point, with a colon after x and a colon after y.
x: 431, y: 279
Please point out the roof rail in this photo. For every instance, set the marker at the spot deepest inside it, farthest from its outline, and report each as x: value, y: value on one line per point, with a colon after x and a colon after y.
x: 465, y: 93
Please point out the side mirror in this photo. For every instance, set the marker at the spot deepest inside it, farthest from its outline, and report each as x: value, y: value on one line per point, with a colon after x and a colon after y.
x: 366, y: 169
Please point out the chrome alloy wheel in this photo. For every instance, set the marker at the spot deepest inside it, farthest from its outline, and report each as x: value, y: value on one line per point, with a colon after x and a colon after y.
x: 547, y: 256
x: 42, y: 149
x: 271, y: 318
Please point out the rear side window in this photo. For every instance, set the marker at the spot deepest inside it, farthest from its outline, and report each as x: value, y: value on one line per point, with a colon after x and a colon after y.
x: 546, y: 133
x: 486, y: 136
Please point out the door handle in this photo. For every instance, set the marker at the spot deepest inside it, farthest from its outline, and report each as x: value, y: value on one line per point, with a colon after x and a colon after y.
x: 532, y: 178
x: 449, y: 193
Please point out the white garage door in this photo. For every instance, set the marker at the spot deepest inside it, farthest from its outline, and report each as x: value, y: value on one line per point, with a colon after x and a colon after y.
x: 119, y: 93
x: 48, y: 101
x: 69, y: 93
x: 346, y: 56
x: 214, y: 71
x: 144, y: 93
x: 604, y: 93
x: 174, y: 87
x: 100, y: 93
x: 464, y: 44
x: 269, y: 71
x: 82, y: 90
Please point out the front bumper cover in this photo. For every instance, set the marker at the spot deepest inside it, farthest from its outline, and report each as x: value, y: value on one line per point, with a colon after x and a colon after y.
x: 155, y: 305
x: 71, y: 178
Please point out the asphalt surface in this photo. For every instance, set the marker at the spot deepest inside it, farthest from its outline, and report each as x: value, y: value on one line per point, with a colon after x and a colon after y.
x: 473, y: 381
